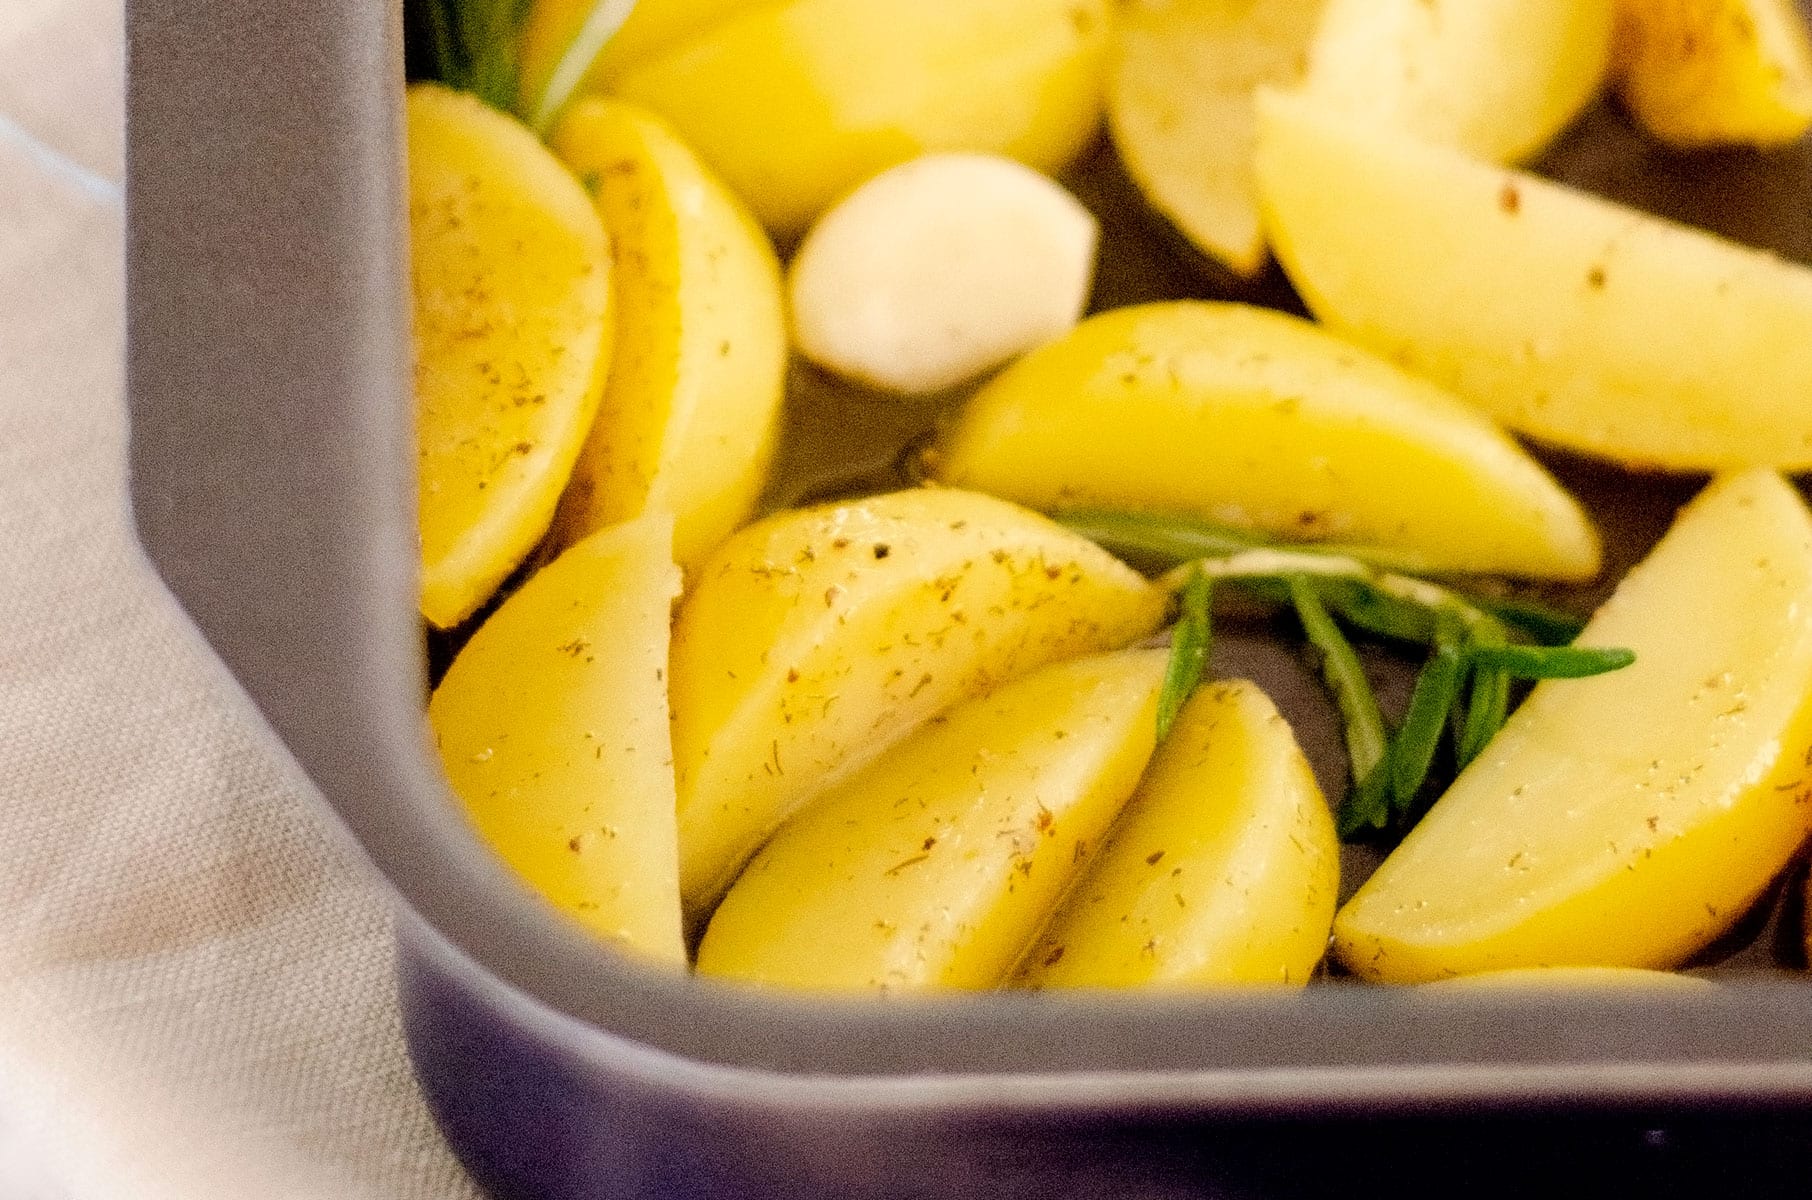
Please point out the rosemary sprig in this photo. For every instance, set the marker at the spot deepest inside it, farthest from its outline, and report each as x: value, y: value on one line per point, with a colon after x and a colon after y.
x: 1190, y: 643
x: 600, y: 25
x: 470, y: 45
x: 1367, y: 743
x: 1475, y: 651
x: 1437, y: 690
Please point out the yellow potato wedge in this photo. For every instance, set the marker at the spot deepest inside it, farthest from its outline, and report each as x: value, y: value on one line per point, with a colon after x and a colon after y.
x: 1497, y: 79
x: 1179, y: 101
x: 512, y: 297
x: 1716, y: 72
x: 935, y: 867
x: 651, y: 27
x: 1627, y: 820
x: 813, y: 640
x: 1575, y: 979
x: 552, y: 727
x: 689, y: 412
x: 795, y: 103
x: 1249, y: 417
x: 1567, y: 317
x: 1221, y: 871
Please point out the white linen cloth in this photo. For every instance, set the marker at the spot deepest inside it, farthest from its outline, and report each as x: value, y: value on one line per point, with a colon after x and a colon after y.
x: 195, y: 977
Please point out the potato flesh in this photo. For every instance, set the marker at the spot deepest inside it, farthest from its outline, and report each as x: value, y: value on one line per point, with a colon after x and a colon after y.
x: 814, y: 640
x: 796, y: 103
x: 940, y: 269
x: 511, y: 279
x: 1495, y: 78
x: 552, y: 729
x: 1248, y: 417
x: 1715, y: 72
x: 1627, y: 820
x: 1221, y: 871
x: 935, y: 867
x: 1179, y: 102
x: 687, y: 423
x: 1567, y: 317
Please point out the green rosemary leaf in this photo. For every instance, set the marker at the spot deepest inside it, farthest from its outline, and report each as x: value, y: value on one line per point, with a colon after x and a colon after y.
x: 1165, y: 540
x: 1488, y: 705
x: 1362, y: 603
x: 1437, y: 690
x: 1547, y: 625
x: 1160, y: 540
x: 1366, y: 740
x: 1551, y: 662
x: 1367, y: 804
x: 435, y: 24
x: 1190, y: 643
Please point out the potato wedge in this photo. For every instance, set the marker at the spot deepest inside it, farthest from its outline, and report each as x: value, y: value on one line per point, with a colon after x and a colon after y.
x: 552, y: 728
x: 1627, y: 820
x: 1179, y: 101
x: 512, y: 297
x: 1248, y: 417
x: 1716, y: 72
x: 1497, y: 79
x: 795, y: 103
x: 935, y: 867
x: 651, y: 27
x: 1221, y: 871
x: 813, y: 640
x: 1567, y: 317
x: 1575, y: 979
x: 688, y: 418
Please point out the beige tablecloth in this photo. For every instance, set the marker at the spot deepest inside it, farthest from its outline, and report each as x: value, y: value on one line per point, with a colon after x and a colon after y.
x: 195, y: 996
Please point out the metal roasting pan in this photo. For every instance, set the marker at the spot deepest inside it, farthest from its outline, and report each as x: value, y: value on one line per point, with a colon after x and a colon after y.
x: 271, y: 461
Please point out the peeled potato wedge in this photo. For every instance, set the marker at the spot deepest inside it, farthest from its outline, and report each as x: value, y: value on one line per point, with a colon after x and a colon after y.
x: 1717, y: 72
x: 687, y: 422
x: 512, y: 302
x: 797, y: 102
x: 934, y: 867
x: 1179, y: 101
x: 1567, y: 317
x: 1222, y: 871
x: 1248, y: 417
x: 1494, y: 78
x: 552, y: 728
x: 1627, y: 820
x: 813, y: 640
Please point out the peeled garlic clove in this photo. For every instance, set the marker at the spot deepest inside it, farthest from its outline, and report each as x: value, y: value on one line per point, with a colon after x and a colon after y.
x: 935, y: 271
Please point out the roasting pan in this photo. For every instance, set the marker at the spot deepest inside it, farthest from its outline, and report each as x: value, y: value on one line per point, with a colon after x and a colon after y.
x: 271, y: 464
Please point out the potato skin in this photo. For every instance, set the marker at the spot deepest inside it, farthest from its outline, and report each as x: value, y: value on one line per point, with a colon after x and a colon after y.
x: 1558, y: 313
x: 813, y: 640
x: 1629, y: 819
x: 687, y: 422
x: 1222, y: 870
x: 511, y: 278
x: 552, y: 729
x: 795, y: 103
x: 1251, y: 418
x: 1716, y: 72
x: 936, y: 865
